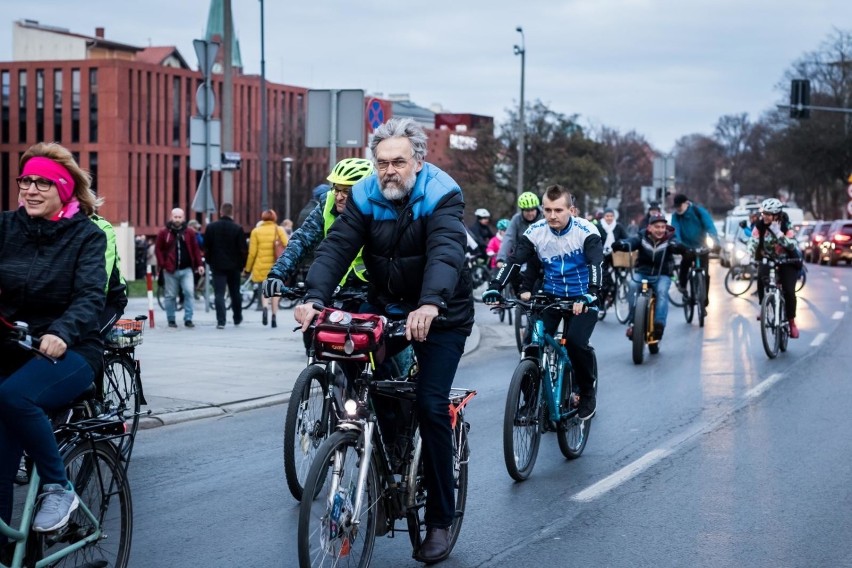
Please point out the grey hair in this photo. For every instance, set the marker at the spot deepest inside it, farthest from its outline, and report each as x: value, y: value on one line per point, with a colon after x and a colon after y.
x: 401, y: 128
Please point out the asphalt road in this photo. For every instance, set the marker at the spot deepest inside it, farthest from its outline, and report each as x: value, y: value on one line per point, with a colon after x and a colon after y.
x: 708, y: 454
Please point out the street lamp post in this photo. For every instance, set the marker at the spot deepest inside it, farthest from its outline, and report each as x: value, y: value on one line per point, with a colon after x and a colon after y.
x: 522, y: 51
x: 288, y: 162
x: 264, y: 187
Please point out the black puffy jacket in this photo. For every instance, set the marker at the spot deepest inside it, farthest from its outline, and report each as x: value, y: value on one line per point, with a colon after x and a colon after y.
x: 414, y: 251
x: 655, y: 258
x: 52, y: 277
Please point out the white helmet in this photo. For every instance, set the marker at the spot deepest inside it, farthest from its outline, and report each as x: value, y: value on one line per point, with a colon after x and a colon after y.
x: 772, y: 206
x: 482, y: 213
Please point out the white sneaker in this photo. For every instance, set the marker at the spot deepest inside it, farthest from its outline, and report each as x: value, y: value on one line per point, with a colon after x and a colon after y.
x: 57, y: 504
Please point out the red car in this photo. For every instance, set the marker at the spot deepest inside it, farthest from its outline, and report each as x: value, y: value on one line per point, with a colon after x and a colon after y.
x: 837, y: 245
x: 812, y: 251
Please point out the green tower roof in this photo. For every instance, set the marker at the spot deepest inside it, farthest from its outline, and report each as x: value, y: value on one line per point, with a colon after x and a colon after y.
x: 216, y: 27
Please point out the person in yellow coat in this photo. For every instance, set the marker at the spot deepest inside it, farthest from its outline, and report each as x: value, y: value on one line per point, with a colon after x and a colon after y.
x: 261, y: 256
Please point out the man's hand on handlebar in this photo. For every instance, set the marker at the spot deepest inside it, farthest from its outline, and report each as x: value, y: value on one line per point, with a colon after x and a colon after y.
x: 305, y: 314
x: 419, y: 321
x: 491, y: 297
x: 52, y: 345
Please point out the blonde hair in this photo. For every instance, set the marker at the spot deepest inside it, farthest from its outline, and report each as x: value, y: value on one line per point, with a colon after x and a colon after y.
x: 89, y: 201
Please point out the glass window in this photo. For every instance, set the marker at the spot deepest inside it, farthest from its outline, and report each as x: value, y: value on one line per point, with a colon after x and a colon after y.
x: 22, y: 106
x: 75, y: 105
x: 39, y: 104
x: 176, y: 111
x: 57, y: 105
x: 93, y: 169
x: 5, y: 111
x: 93, y: 105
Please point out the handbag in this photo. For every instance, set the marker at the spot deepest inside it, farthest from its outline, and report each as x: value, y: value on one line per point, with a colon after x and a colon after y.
x: 278, y: 244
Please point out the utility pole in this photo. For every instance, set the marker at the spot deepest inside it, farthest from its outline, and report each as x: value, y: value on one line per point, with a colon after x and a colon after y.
x: 228, y: 102
x: 522, y: 51
x: 264, y: 186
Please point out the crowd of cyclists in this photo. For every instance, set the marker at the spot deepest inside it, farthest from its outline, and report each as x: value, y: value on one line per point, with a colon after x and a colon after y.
x: 391, y: 226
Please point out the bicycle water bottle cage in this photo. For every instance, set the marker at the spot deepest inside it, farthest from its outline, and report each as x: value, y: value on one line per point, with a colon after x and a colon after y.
x: 341, y: 335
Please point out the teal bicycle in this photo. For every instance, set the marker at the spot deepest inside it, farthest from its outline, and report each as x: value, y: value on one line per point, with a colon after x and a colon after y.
x: 100, y: 530
x: 543, y: 395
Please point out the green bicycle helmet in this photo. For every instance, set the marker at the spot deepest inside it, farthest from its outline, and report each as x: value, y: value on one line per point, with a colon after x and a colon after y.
x: 350, y: 171
x: 502, y: 224
x: 528, y: 200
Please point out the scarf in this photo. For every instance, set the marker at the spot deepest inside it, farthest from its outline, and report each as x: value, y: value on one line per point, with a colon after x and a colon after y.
x: 610, y: 235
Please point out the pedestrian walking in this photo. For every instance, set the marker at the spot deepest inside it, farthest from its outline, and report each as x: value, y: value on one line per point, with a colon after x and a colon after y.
x: 226, y: 251
x: 262, y: 255
x: 179, y: 258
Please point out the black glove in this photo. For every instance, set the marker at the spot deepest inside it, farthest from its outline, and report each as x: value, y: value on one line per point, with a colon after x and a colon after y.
x: 491, y: 296
x: 273, y: 286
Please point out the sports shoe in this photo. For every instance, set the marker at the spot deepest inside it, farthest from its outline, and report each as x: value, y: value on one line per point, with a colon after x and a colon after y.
x: 658, y: 331
x: 794, y: 331
x: 220, y: 326
x: 57, y: 504
x: 587, y: 408
x: 436, y: 546
x: 629, y: 333
x: 172, y: 324
x: 188, y: 323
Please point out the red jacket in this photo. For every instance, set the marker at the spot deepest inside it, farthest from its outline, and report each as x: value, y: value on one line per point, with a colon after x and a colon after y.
x: 166, y: 249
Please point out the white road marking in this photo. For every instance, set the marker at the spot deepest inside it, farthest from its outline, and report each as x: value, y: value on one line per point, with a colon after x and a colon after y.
x: 836, y: 315
x: 761, y: 387
x: 842, y: 288
x: 613, y: 480
x: 844, y: 298
x: 819, y: 339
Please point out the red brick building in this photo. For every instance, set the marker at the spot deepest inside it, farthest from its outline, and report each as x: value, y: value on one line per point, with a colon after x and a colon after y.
x: 124, y: 112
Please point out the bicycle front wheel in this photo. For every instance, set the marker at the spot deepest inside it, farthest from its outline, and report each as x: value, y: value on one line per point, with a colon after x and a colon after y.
x: 769, y: 326
x: 328, y: 534
x: 522, y: 322
x: 521, y: 420
x: 738, y: 280
x: 571, y: 433
x: 248, y: 292
x: 675, y: 297
x: 622, y: 300
x: 640, y: 328
x: 700, y: 295
x: 689, y: 302
x: 121, y: 394
x: 783, y: 327
x: 308, y: 423
x: 102, y: 487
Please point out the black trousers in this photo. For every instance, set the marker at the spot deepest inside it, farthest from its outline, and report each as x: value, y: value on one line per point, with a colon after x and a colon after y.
x: 787, y: 275
x: 229, y: 279
x: 578, y: 331
x: 683, y: 272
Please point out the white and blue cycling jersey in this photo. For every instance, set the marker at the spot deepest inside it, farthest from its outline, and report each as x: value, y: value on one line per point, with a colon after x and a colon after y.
x: 569, y: 262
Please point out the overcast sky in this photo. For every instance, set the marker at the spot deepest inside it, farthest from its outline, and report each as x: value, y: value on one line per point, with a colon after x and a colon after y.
x: 664, y: 68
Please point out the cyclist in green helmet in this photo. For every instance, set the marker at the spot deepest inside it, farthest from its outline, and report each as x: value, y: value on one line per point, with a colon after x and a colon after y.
x: 530, y: 207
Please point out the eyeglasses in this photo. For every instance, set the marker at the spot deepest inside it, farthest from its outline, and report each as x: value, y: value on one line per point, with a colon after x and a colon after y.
x: 342, y: 190
x: 26, y: 182
x: 397, y: 164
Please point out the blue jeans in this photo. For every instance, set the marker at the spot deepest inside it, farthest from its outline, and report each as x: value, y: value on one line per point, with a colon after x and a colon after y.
x: 661, y: 286
x: 24, y: 395
x: 179, y: 279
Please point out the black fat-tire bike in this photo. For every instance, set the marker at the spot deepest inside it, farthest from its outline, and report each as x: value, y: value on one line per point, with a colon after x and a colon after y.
x: 643, y: 323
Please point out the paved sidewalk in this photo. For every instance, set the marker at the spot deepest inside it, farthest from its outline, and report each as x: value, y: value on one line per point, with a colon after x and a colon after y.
x: 188, y: 374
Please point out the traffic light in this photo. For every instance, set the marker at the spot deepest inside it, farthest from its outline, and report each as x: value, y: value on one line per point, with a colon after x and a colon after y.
x: 800, y: 98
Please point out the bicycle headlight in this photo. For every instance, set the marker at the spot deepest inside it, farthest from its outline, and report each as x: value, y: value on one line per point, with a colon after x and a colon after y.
x: 708, y: 241
x: 729, y: 246
x: 351, y: 407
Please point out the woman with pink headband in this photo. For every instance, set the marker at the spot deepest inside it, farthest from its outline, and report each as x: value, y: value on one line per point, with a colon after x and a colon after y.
x: 52, y: 276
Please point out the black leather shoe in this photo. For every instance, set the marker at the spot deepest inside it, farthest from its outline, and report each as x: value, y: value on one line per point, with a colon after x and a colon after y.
x: 436, y: 547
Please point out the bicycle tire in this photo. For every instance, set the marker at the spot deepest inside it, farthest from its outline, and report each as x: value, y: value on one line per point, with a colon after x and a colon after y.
x: 521, y: 427
x: 249, y: 292
x: 318, y: 544
x: 415, y: 516
x: 675, y: 297
x: 802, y: 279
x: 122, y: 392
x: 101, y: 484
x: 784, y: 327
x: 738, y: 280
x: 521, y: 325
x: 700, y: 297
x: 689, y: 302
x: 571, y: 433
x: 480, y: 276
x: 622, y: 301
x: 640, y: 323
x: 768, y: 326
x: 304, y: 431
x: 161, y: 299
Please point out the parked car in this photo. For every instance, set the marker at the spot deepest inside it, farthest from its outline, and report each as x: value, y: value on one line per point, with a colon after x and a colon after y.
x: 812, y: 252
x: 837, y: 245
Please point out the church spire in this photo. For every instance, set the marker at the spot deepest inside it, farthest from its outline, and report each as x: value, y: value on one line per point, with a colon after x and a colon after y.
x: 216, y: 31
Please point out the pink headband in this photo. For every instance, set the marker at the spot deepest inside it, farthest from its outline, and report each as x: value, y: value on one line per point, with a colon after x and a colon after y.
x: 55, y: 172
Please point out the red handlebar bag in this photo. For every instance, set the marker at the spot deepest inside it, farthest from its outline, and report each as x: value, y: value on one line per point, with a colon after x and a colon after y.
x: 346, y: 336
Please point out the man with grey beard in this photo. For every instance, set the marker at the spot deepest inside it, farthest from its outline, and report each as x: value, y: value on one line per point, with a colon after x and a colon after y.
x: 408, y: 218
